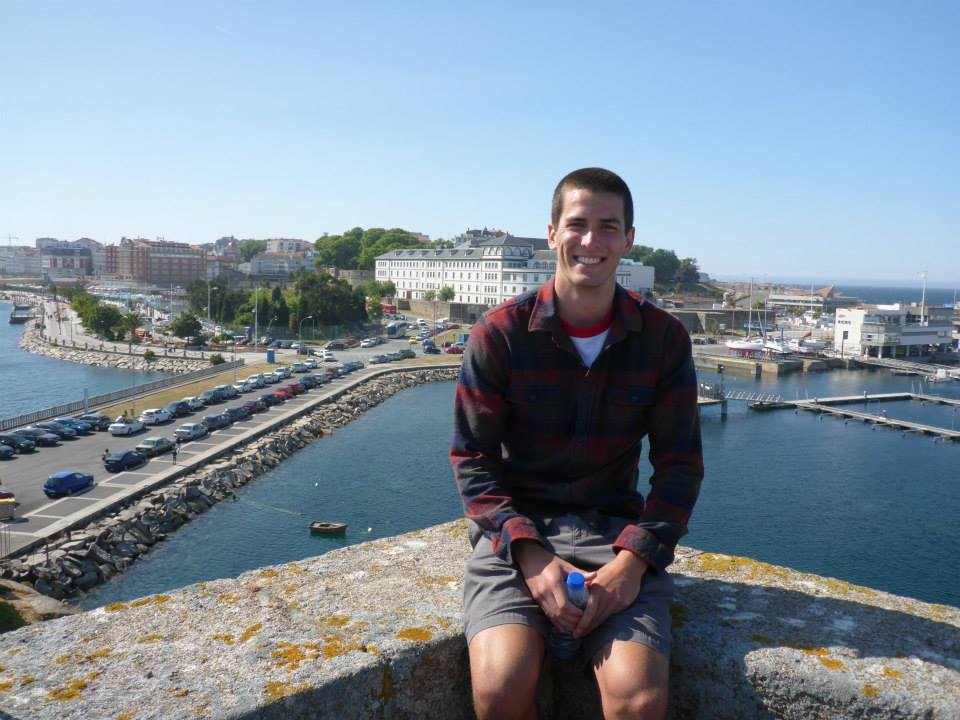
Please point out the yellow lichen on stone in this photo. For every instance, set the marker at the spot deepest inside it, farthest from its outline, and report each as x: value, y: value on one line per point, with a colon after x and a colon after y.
x: 890, y: 672
x: 125, y: 716
x: 289, y: 655
x: 101, y: 653
x: 63, y: 659
x: 296, y: 569
x: 290, y: 589
x: 823, y: 655
x: 225, y: 637
x: 26, y: 680
x: 228, y: 598
x: 415, y: 634
x: 762, y: 639
x: 337, y: 646
x: 200, y: 585
x: 250, y: 632
x: 15, y: 651
x: 150, y: 638
x: 871, y: 691
x: 116, y: 607
x: 5, y: 685
x: 74, y: 689
x: 831, y: 664
x: 732, y: 564
x: 335, y: 620
x: 277, y: 690
x: 843, y: 587
x: 436, y: 580
x: 178, y: 693
x: 268, y: 573
x: 154, y: 600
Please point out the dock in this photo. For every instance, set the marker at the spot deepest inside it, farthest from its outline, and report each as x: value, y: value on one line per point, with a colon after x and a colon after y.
x: 835, y: 406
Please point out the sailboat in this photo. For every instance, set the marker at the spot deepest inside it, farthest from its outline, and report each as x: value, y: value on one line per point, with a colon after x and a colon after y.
x: 749, y: 345
x: 806, y: 345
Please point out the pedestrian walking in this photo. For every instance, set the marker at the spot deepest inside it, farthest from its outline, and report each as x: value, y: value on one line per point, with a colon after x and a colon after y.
x: 173, y: 453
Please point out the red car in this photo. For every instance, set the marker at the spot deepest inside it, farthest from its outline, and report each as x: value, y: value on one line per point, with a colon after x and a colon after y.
x: 255, y: 406
x: 293, y: 388
x: 283, y: 394
x: 453, y: 350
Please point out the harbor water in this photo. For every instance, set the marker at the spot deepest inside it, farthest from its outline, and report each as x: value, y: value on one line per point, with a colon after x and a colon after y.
x: 869, y: 506
x: 32, y: 382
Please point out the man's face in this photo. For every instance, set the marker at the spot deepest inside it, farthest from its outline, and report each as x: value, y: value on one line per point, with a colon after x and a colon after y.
x: 590, y: 238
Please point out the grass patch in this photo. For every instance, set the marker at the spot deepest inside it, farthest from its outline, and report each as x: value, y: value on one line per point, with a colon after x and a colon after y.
x: 10, y: 619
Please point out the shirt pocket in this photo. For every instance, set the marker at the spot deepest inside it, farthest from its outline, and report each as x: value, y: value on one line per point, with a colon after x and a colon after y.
x: 540, y: 409
x: 627, y: 410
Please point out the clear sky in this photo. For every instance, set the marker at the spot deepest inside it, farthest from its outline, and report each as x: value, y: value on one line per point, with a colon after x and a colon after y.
x: 813, y: 139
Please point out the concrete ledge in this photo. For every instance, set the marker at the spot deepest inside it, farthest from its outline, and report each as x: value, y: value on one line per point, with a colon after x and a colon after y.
x: 374, y: 631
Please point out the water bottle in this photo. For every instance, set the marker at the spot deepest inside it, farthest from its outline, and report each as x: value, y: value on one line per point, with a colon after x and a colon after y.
x: 563, y: 645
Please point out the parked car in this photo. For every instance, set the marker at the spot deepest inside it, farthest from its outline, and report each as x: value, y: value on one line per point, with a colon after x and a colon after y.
x: 257, y: 380
x: 271, y: 378
x: 215, y: 422
x: 377, y: 359
x: 308, y: 381
x: 255, y: 406
x: 20, y: 443
x: 453, y: 350
x: 407, y: 353
x: 42, y: 438
x: 431, y: 350
x: 321, y: 379
x: 394, y: 356
x: 82, y: 428
x: 270, y: 399
x: 178, y: 408
x: 124, y: 460
x: 98, y: 421
x: 227, y: 392
x: 66, y: 483
x: 283, y: 394
x: 237, y: 413
x: 126, y: 426
x: 153, y: 446
x: 283, y: 371
x: 191, y: 431
x: 299, y: 368
x: 6, y: 452
x: 368, y: 343
x: 61, y: 431
x: 154, y: 416
x: 354, y: 365
x: 195, y: 403
x: 310, y: 363
x: 247, y: 386
x: 211, y: 397
x: 335, y: 345
x: 329, y: 357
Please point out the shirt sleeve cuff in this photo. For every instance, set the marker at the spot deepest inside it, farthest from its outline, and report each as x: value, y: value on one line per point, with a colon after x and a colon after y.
x: 645, y: 545
x: 516, y: 528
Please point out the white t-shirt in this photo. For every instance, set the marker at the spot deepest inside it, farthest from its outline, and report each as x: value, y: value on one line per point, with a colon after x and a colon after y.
x: 589, y: 341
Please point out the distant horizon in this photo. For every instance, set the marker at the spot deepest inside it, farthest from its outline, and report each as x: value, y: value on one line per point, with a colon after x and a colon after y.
x: 824, y: 281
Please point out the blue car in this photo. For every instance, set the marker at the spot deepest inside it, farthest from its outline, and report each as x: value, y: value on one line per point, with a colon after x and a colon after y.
x: 66, y: 483
x: 81, y: 426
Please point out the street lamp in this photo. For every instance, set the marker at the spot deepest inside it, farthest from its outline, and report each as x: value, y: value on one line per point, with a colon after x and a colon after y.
x: 300, y: 345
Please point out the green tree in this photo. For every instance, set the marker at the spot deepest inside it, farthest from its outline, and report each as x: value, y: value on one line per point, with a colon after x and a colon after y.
x: 187, y: 325
x: 377, y: 241
x: 430, y: 295
x: 217, y: 359
x: 329, y: 300
x: 103, y: 320
x: 339, y: 251
x: 280, y: 308
x: 688, y: 272
x: 249, y: 248
x: 447, y: 293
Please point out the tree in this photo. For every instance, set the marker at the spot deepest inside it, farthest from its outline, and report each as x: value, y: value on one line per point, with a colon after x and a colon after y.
x: 128, y: 323
x: 430, y: 295
x: 217, y: 359
x: 447, y: 293
x: 103, y: 320
x: 329, y: 300
x: 688, y: 273
x: 377, y: 241
x: 279, y: 304
x: 339, y: 251
x: 249, y: 248
x: 187, y: 325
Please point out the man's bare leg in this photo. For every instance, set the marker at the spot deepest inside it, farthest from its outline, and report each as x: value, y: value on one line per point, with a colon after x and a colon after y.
x: 505, y: 665
x: 633, y: 681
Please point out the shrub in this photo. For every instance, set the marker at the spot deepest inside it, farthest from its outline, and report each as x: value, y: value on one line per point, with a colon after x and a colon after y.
x: 217, y: 359
x: 149, y: 355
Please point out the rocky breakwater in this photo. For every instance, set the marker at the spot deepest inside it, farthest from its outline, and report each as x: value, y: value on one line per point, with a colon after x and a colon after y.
x: 85, y: 557
x: 33, y: 343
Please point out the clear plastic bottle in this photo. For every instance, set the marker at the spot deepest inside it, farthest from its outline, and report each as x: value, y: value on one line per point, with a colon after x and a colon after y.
x: 563, y: 645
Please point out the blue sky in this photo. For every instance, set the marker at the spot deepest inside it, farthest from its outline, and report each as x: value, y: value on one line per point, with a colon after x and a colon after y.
x: 814, y: 139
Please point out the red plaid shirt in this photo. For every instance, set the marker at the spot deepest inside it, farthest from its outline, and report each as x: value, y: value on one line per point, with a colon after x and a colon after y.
x: 538, y: 434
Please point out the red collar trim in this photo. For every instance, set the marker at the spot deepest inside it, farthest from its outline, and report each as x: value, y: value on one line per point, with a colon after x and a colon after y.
x: 589, y: 332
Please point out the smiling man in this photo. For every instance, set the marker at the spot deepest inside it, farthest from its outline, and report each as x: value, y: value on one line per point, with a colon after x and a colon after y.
x: 557, y: 390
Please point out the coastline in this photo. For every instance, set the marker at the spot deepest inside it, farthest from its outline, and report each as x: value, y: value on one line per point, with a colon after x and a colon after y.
x: 86, y: 556
x: 30, y: 341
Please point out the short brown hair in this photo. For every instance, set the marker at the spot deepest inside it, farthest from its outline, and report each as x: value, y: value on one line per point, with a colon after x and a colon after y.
x: 593, y: 179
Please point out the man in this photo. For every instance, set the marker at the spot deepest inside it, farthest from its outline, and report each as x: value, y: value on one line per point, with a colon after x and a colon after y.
x: 557, y: 389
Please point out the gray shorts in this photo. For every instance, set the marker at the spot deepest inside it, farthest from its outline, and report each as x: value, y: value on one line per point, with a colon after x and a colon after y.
x: 495, y: 592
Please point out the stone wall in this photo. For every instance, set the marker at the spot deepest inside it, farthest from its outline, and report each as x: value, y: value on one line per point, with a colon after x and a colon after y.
x: 33, y: 343
x: 375, y: 631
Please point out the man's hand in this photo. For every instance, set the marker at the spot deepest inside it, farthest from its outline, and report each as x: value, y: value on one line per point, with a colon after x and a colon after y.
x: 613, y: 587
x: 546, y: 578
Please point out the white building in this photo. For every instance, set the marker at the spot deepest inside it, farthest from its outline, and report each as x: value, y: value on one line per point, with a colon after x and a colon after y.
x: 290, y: 245
x: 487, y: 273
x: 277, y: 264
x: 892, y: 330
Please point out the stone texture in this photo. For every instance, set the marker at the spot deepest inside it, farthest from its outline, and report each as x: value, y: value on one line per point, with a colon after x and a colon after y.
x: 375, y: 631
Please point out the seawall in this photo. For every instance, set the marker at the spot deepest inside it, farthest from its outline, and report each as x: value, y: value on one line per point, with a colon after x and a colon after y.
x: 375, y: 631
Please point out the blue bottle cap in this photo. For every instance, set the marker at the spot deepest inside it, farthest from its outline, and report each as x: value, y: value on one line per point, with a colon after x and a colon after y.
x: 575, y: 580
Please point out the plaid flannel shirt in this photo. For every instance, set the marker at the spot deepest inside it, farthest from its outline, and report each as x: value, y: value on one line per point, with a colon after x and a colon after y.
x: 537, y: 433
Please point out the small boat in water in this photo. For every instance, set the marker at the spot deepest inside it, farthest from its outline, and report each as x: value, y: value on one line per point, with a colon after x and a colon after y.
x: 327, y: 528
x: 20, y: 314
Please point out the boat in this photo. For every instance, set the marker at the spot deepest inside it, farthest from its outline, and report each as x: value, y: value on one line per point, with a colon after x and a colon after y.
x: 806, y: 345
x: 20, y: 314
x: 749, y: 345
x: 327, y: 528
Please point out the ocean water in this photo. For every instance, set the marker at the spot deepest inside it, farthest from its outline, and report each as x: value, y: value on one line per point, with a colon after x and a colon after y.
x: 872, y: 507
x: 880, y: 295
x: 33, y: 382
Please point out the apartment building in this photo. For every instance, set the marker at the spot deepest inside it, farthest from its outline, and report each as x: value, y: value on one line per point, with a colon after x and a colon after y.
x: 894, y: 331
x: 65, y: 262
x: 823, y: 301
x: 156, y: 262
x: 488, y: 272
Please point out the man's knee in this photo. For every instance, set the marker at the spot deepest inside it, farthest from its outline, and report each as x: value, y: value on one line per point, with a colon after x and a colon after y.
x: 640, y: 704
x: 504, y: 668
x: 633, y: 681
